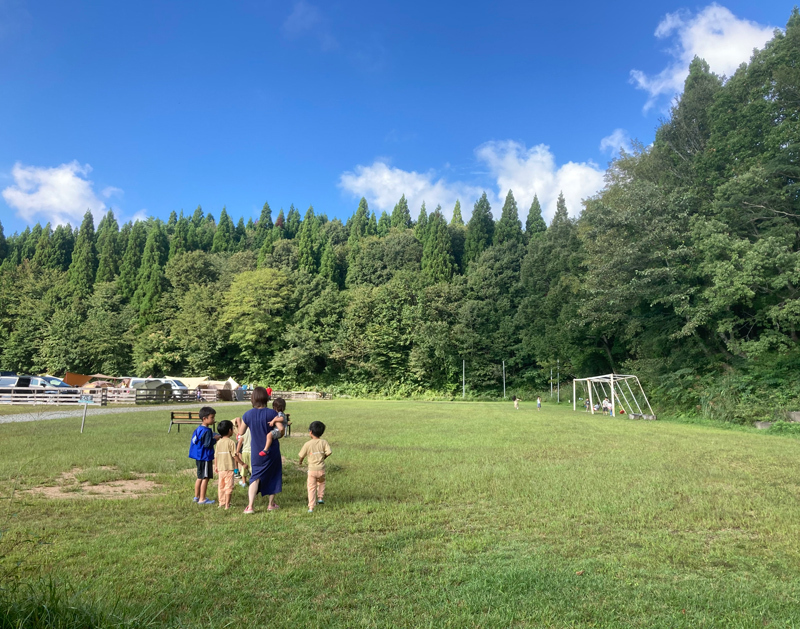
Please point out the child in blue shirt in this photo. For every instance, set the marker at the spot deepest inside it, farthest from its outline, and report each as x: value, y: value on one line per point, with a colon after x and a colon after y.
x: 202, y: 451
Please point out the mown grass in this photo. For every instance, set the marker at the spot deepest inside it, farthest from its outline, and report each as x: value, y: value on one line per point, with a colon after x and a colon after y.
x: 438, y: 515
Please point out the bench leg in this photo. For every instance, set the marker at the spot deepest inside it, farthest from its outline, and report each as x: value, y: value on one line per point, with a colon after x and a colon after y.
x: 170, y: 428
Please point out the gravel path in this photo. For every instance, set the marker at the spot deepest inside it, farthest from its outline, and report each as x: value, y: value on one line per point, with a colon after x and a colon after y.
x: 42, y: 413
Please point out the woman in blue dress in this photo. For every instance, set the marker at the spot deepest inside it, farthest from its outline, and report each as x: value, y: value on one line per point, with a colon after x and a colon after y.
x: 266, y: 476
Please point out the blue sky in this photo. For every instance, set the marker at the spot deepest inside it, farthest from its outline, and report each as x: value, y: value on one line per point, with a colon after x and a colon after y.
x: 149, y: 107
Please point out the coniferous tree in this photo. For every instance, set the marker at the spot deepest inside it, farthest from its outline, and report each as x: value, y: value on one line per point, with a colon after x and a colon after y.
x: 509, y: 226
x: 307, y: 245
x: 372, y: 225
x: 480, y: 230
x: 421, y: 228
x: 401, y: 216
x: 264, y: 226
x: 150, y: 279
x: 107, y: 249
x: 292, y: 227
x: 240, y: 236
x: 3, y: 245
x: 384, y: 224
x: 29, y: 250
x: 437, y: 258
x: 63, y: 245
x: 224, y: 236
x: 84, y: 259
x: 457, y: 218
x: 180, y: 238
x: 46, y: 255
x: 132, y: 261
x: 535, y: 223
x: 171, y: 223
x: 327, y: 263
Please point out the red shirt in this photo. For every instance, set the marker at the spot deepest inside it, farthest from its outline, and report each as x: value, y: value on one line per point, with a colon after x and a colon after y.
x: 269, y: 391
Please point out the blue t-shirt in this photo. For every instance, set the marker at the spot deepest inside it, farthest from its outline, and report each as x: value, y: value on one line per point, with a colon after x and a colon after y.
x: 202, y: 444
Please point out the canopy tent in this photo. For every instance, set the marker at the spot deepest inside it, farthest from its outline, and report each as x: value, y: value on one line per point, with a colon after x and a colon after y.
x: 76, y: 379
x: 193, y: 383
x: 618, y: 388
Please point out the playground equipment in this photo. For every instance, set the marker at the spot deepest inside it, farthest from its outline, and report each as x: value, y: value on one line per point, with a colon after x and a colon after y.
x: 616, y: 387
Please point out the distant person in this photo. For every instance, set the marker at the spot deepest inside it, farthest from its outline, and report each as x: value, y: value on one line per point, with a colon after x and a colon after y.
x: 266, y: 475
x: 539, y: 403
x: 317, y: 450
x: 225, y: 462
x: 244, y: 456
x: 198, y: 395
x: 278, y: 424
x: 269, y: 391
x: 201, y: 450
x: 516, y: 401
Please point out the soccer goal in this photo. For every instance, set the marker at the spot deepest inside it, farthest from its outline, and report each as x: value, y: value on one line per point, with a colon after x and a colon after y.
x: 624, y: 392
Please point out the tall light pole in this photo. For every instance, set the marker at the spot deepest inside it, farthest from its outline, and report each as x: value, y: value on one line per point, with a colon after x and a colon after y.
x: 551, y: 383
x: 463, y: 379
x: 504, y: 380
x: 558, y: 368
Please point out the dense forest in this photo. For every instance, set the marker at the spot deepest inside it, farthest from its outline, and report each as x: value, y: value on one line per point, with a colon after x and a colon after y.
x: 684, y: 269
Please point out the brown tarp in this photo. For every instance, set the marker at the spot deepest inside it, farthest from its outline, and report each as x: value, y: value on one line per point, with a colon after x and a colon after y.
x: 76, y: 379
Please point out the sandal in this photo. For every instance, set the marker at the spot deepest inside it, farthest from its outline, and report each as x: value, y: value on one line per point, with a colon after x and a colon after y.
x: 273, y: 508
x: 249, y: 510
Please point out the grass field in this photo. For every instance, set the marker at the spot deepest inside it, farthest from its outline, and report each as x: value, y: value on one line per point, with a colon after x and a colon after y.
x: 437, y: 515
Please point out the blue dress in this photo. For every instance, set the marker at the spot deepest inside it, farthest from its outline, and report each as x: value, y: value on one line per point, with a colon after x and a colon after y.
x: 266, y: 469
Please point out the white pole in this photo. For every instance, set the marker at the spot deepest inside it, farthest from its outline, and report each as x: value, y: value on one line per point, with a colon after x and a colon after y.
x: 591, y: 402
x: 504, y: 380
x: 641, y: 388
x: 613, y: 408
x: 558, y: 364
x: 551, y: 382
x: 83, y: 421
x: 463, y: 379
x: 574, y: 397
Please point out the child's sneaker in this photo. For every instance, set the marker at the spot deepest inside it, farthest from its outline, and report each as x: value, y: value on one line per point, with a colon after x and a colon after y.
x: 320, y: 502
x: 311, y: 510
x: 242, y: 483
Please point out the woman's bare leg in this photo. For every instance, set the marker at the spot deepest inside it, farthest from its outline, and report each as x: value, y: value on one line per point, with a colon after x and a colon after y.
x: 271, y: 501
x: 252, y: 490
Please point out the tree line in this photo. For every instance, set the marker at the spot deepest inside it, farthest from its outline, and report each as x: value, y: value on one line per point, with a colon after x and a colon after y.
x: 684, y: 269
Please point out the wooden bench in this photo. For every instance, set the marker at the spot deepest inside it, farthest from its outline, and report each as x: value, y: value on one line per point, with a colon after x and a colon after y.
x: 184, y: 417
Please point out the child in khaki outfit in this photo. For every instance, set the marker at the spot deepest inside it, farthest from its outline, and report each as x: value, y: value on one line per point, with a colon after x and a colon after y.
x: 317, y: 450
x: 225, y: 461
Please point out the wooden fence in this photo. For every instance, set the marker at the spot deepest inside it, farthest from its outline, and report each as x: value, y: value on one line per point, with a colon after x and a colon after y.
x: 103, y: 396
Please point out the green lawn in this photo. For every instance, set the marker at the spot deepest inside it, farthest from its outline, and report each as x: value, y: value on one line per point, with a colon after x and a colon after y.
x: 438, y: 515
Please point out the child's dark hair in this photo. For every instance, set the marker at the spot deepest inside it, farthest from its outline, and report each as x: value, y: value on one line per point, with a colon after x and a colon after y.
x: 206, y: 411
x: 317, y: 429
x: 513, y: 398
x: 279, y: 405
x: 225, y: 427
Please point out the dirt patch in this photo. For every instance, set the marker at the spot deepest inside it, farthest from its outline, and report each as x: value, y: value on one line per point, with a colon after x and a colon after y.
x: 69, y: 488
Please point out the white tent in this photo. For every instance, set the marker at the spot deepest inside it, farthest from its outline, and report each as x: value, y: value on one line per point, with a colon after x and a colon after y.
x: 618, y: 388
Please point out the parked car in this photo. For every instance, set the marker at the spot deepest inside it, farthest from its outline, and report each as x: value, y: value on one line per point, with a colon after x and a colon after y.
x: 33, y: 382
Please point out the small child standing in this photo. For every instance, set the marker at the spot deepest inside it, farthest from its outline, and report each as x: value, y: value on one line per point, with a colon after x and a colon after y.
x: 317, y: 450
x: 539, y: 403
x: 225, y: 463
x: 244, y: 457
x: 202, y: 451
x: 278, y: 424
x: 516, y: 401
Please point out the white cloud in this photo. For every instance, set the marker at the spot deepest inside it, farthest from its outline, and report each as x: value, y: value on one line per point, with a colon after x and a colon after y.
x: 307, y: 19
x: 619, y: 140
x: 511, y: 165
x: 714, y: 34
x: 534, y: 171
x: 58, y: 195
x: 383, y: 185
x: 111, y: 191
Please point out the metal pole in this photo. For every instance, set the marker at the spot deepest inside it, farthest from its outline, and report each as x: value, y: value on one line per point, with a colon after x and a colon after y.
x: 463, y: 379
x: 574, y: 397
x: 504, y: 380
x: 558, y: 366
x: 83, y: 421
x: 551, y: 382
x: 613, y: 407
